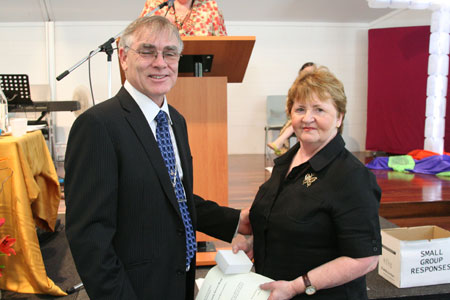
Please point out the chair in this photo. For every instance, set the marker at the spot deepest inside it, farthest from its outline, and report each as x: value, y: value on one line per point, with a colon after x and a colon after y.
x: 276, y: 115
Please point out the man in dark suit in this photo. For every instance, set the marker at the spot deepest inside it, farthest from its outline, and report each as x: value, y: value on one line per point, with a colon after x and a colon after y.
x: 126, y: 228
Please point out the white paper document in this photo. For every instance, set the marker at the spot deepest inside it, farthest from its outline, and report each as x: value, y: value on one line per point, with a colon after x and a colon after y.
x: 218, y: 286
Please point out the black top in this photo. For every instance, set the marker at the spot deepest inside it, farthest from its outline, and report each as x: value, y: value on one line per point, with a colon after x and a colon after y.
x: 298, y: 228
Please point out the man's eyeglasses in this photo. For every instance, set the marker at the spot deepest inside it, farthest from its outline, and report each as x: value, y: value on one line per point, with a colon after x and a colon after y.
x: 169, y: 56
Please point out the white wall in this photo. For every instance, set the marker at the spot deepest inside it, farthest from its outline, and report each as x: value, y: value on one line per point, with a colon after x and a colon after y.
x: 280, y: 50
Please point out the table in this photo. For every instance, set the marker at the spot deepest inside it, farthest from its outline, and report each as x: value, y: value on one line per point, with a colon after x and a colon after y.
x: 30, y: 197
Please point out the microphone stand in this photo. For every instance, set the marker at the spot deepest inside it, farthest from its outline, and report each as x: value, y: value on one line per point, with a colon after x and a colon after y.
x: 108, y: 49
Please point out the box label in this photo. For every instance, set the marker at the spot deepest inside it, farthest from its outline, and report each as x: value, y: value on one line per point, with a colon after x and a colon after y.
x: 425, y: 263
x: 431, y: 261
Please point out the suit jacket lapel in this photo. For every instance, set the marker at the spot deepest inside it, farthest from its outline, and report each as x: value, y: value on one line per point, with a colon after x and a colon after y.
x: 140, y: 126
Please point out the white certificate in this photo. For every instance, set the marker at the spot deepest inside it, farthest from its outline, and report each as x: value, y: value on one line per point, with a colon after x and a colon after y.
x: 218, y: 286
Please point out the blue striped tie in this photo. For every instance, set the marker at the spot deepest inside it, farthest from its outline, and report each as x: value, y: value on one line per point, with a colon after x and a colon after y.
x: 166, y: 148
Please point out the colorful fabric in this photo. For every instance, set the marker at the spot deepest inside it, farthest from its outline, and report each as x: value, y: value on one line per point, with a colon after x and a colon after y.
x: 205, y: 18
x: 401, y: 163
x: 436, y: 164
x: 419, y: 153
x: 166, y: 148
x: 379, y: 163
x: 433, y: 164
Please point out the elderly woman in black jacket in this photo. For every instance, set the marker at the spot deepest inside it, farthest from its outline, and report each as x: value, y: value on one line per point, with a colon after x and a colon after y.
x: 315, y: 222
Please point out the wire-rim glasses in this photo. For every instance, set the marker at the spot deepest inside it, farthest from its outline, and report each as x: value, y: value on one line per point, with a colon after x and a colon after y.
x: 169, y: 56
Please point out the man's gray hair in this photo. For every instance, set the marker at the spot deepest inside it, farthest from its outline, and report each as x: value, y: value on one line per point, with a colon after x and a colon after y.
x: 155, y: 24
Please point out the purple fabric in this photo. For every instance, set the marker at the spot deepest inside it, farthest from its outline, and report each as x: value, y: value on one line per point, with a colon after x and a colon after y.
x: 428, y: 165
x: 379, y: 163
x: 432, y: 164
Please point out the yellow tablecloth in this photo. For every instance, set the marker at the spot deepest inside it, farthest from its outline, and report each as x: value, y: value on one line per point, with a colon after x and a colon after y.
x: 30, y: 197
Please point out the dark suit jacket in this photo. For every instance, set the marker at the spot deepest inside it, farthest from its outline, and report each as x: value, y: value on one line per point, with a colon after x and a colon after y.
x: 123, y: 222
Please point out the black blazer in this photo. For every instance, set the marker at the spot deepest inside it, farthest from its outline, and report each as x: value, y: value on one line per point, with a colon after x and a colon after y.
x: 123, y: 222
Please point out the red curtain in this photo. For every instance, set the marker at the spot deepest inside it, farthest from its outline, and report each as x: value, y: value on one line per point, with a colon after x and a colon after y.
x: 397, y: 82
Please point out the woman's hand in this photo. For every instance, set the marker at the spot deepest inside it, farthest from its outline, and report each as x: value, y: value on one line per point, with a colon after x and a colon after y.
x: 280, y: 290
x: 241, y: 243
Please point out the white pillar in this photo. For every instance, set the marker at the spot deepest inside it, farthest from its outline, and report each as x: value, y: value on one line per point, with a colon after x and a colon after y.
x: 50, y: 44
x: 438, y: 63
x: 50, y: 40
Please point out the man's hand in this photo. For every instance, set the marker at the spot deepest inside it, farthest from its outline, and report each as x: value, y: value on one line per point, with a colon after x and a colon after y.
x: 245, y: 227
x: 241, y: 243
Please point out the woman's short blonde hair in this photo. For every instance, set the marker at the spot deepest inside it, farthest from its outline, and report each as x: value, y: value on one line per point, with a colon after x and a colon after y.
x: 322, y: 83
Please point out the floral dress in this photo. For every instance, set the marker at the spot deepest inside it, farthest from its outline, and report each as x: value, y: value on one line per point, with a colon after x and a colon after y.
x: 204, y: 18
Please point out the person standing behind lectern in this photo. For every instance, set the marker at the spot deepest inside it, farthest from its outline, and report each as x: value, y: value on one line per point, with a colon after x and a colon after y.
x: 131, y: 212
x: 191, y: 17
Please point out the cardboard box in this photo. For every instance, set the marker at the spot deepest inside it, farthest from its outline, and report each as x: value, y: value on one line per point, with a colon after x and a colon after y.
x: 230, y: 263
x: 415, y: 256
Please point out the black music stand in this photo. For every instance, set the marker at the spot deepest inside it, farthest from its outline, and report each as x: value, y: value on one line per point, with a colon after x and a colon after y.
x: 16, y: 88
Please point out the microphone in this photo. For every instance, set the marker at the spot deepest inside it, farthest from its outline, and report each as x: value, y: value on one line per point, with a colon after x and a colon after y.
x: 168, y: 3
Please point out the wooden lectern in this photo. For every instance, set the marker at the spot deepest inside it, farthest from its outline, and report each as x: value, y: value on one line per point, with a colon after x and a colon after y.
x: 203, y: 102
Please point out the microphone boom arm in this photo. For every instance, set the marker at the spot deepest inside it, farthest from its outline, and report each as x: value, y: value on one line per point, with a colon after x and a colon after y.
x: 105, y: 47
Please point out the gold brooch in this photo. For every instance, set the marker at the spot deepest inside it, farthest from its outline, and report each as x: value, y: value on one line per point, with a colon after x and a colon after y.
x: 309, y: 179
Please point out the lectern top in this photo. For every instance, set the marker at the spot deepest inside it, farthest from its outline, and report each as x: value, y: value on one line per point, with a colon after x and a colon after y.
x: 231, y: 54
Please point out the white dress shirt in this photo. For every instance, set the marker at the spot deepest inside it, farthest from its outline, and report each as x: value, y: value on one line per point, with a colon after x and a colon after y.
x: 150, y: 110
